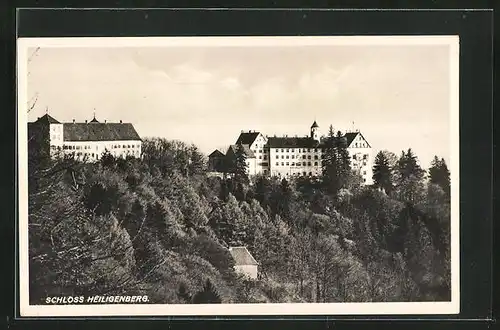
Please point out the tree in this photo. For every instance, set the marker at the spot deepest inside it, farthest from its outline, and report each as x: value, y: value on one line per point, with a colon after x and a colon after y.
x: 208, y: 295
x: 440, y: 175
x: 330, y: 164
x: 344, y: 159
x: 382, y: 175
x: 336, y: 164
x: 240, y: 165
x: 409, y: 177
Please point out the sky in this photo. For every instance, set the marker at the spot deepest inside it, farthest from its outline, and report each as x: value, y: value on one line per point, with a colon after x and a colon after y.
x: 396, y: 95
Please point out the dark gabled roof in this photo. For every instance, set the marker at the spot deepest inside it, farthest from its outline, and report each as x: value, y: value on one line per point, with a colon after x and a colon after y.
x: 47, y: 119
x: 242, y: 257
x: 314, y: 125
x: 246, y: 149
x: 216, y: 153
x: 350, y: 136
x: 99, y: 132
x: 247, y: 138
x: 292, y: 142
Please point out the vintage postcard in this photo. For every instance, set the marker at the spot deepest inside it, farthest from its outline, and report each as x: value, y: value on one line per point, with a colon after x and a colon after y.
x: 238, y: 176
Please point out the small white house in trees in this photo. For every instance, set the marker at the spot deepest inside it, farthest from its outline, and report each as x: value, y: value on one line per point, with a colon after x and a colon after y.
x: 244, y: 262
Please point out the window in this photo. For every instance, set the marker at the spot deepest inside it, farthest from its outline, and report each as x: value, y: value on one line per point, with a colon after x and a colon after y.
x: 308, y: 150
x: 322, y: 156
x: 315, y: 163
x: 293, y: 164
x: 277, y: 164
x: 282, y: 157
x: 365, y: 156
x: 303, y: 156
x: 308, y: 163
x: 293, y: 156
x: 260, y: 157
x: 265, y: 157
x: 364, y: 180
x: 282, y: 164
x: 282, y: 150
x: 309, y: 157
x: 287, y: 164
x: 354, y: 157
x: 305, y: 173
x: 304, y: 164
x: 310, y: 173
x: 315, y: 156
x: 364, y: 172
x: 260, y: 151
x: 287, y: 156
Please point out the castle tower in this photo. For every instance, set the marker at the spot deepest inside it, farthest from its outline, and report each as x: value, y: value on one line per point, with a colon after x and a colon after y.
x: 315, y: 131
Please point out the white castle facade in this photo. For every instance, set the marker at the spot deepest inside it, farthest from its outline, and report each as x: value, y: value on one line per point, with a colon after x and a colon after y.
x: 292, y: 156
x: 88, y: 140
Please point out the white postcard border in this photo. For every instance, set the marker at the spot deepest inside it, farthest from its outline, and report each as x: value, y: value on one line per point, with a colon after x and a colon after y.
x: 376, y: 308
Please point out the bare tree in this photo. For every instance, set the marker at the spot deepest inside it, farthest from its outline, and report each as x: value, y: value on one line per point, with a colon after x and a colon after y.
x: 33, y: 100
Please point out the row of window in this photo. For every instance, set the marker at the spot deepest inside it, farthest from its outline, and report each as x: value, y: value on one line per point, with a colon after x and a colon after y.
x: 293, y: 157
x: 303, y: 173
x: 299, y: 150
x: 88, y: 147
x: 296, y: 164
x: 96, y: 155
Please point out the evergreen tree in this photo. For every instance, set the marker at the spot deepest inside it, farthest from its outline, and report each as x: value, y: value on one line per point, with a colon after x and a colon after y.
x: 343, y: 158
x: 330, y: 164
x: 408, y: 166
x: 410, y: 176
x: 439, y: 174
x: 239, y: 167
x: 196, y: 164
x: 208, y: 295
x: 382, y: 176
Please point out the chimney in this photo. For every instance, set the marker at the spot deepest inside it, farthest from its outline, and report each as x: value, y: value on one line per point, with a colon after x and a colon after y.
x: 73, y: 121
x: 85, y: 121
x: 105, y: 121
x: 120, y: 121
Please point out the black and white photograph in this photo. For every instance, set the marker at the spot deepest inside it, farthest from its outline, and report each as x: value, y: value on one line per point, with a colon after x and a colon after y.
x: 238, y: 175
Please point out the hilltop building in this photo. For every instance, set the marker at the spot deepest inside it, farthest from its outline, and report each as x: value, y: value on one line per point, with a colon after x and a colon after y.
x: 292, y: 156
x: 88, y: 139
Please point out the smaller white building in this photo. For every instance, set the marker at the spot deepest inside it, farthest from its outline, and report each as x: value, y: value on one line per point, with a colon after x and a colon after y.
x: 244, y: 262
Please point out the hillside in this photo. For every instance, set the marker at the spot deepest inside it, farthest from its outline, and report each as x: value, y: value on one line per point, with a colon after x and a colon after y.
x: 160, y: 226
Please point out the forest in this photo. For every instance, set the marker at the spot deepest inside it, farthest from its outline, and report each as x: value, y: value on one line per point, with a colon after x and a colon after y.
x: 160, y: 225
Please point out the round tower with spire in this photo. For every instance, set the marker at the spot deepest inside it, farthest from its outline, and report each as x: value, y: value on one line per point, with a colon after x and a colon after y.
x: 315, y: 131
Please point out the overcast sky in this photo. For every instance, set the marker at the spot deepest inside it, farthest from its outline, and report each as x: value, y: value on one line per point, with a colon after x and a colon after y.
x: 397, y: 96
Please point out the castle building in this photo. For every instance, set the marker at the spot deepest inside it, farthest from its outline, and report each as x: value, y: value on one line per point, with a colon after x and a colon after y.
x: 88, y: 140
x: 292, y: 156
